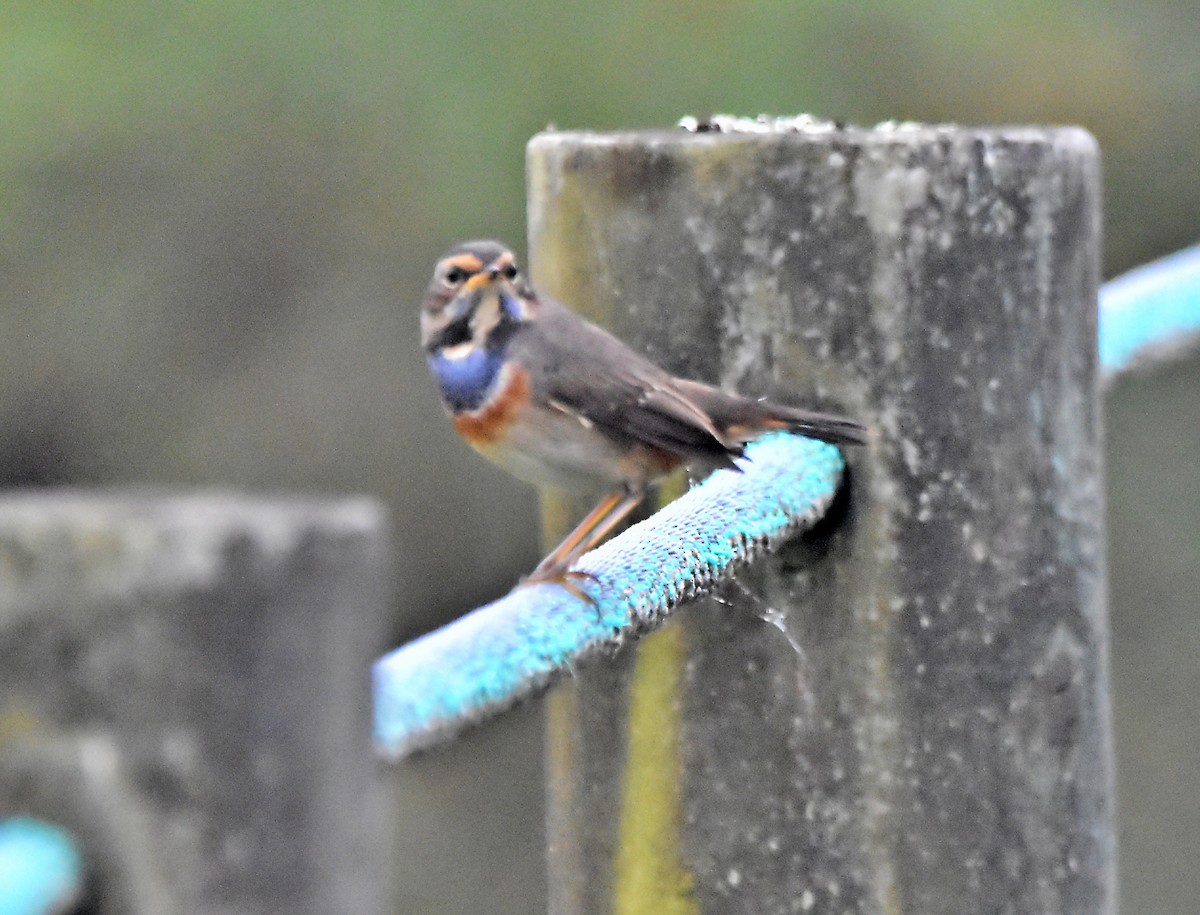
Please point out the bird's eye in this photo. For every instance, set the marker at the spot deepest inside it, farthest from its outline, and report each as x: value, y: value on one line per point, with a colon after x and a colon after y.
x: 455, y: 275
x: 509, y: 272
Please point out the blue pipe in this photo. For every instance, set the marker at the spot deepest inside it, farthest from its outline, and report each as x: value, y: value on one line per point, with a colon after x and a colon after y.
x: 488, y: 660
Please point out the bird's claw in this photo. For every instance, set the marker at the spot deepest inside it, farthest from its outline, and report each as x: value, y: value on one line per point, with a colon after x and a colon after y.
x: 569, y: 579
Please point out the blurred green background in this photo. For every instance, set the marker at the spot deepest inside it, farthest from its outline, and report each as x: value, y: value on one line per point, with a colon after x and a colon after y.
x: 218, y: 219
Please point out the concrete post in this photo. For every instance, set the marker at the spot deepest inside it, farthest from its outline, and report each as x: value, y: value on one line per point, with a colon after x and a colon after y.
x: 906, y: 710
x: 183, y: 685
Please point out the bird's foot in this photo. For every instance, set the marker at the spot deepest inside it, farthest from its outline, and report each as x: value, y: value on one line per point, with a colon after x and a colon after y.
x: 571, y: 580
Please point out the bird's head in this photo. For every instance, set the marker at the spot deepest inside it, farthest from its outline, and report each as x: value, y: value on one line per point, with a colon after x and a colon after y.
x: 475, y: 287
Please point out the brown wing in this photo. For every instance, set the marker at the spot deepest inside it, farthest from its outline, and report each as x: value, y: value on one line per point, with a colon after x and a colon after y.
x: 578, y: 367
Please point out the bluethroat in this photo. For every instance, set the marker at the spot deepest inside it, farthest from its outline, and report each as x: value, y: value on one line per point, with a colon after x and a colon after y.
x: 556, y: 400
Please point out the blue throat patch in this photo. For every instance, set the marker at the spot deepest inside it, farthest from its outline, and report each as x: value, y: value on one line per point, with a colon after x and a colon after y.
x: 467, y: 380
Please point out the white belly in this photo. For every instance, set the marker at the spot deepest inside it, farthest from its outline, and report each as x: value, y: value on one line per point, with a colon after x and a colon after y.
x: 556, y: 449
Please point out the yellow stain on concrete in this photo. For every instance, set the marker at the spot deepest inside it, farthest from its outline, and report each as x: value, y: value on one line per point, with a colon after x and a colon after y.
x: 649, y: 875
x: 18, y: 723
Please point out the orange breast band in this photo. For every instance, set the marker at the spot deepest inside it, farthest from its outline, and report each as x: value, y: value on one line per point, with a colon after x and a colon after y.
x: 487, y: 424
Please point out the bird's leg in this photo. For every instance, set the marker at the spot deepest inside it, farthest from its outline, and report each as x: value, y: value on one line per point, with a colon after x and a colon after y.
x: 610, y: 511
x: 630, y: 499
x: 568, y: 550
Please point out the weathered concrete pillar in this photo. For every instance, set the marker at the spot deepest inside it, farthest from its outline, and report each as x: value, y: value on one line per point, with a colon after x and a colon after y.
x: 183, y: 685
x: 930, y: 731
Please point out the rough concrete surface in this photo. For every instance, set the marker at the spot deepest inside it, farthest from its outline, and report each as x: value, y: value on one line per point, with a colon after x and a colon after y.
x: 930, y: 731
x: 183, y: 684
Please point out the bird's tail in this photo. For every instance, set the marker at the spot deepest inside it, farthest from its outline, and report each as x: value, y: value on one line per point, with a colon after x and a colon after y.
x: 837, y: 430
x: 742, y: 419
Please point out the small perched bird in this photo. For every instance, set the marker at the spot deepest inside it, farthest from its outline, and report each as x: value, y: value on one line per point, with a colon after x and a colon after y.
x: 555, y: 399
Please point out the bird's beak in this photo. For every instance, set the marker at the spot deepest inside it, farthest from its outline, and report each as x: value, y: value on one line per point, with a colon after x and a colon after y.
x: 482, y: 279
